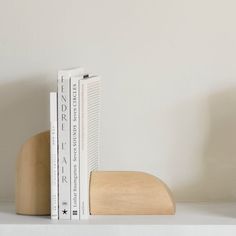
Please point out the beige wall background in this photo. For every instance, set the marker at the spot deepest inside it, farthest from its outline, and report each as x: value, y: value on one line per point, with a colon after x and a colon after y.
x: 169, y: 85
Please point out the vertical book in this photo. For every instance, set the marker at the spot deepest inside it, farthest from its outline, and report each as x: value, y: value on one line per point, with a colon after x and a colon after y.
x: 89, y: 136
x: 75, y: 162
x: 64, y: 139
x: 53, y: 156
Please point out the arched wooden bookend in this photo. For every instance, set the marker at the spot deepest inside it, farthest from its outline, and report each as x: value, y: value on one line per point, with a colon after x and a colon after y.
x: 111, y: 192
x: 129, y: 193
x: 33, y: 176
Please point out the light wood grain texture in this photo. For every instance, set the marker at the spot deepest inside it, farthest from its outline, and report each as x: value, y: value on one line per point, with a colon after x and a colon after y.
x: 129, y: 193
x: 111, y: 192
x: 33, y: 176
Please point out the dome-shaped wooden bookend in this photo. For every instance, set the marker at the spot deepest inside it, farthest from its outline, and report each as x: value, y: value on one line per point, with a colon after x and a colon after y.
x: 111, y: 192
x: 129, y: 193
x: 33, y: 176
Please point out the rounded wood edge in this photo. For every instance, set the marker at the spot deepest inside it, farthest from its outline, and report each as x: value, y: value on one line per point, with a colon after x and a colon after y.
x: 168, y: 191
x: 26, y: 205
x: 108, y: 194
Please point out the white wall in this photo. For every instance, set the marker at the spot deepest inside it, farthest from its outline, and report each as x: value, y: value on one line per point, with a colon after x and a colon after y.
x: 169, y: 84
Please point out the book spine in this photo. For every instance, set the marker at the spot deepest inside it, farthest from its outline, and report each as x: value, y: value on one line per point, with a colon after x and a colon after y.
x: 64, y: 144
x: 93, y: 126
x: 53, y: 156
x: 90, y: 140
x: 84, y: 211
x: 75, y: 193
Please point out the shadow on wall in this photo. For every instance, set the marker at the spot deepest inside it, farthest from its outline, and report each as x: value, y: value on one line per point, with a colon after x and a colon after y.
x: 217, y: 181
x: 24, y: 111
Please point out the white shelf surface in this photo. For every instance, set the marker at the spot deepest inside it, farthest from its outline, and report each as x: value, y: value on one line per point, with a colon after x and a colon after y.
x: 190, y: 219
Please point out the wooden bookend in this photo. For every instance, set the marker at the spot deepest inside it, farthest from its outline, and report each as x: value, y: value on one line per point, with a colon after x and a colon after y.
x: 33, y: 176
x: 129, y: 193
x: 111, y: 192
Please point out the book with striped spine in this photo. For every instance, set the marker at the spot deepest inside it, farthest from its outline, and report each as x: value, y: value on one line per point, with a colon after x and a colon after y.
x: 89, y: 136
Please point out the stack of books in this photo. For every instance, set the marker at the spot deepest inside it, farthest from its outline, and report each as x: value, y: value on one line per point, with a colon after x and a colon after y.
x: 74, y: 142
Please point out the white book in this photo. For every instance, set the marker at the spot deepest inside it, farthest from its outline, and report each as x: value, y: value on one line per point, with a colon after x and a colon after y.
x: 75, y: 180
x: 64, y: 77
x: 53, y: 156
x: 89, y: 137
